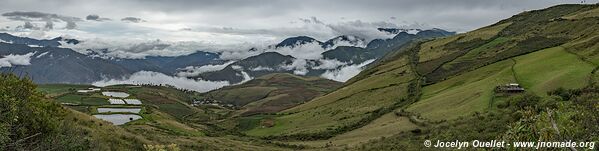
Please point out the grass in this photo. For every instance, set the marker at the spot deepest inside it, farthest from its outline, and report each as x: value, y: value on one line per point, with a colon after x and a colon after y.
x: 464, y: 94
x: 484, y: 51
x: 385, y: 126
x: 176, y: 109
x: 538, y: 72
x: 243, y: 96
x: 550, y: 69
x: 248, y: 123
x: 585, y: 14
x: 82, y: 100
x: 272, y: 93
x: 343, y: 107
x: 436, y: 49
x: 60, y: 88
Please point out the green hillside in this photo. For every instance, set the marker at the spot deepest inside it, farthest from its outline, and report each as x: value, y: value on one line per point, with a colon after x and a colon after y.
x: 451, y: 78
x: 167, y: 119
x: 272, y: 93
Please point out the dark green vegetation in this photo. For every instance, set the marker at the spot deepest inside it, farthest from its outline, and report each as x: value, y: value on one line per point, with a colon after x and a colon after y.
x: 517, y: 118
x: 28, y: 121
x: 272, y: 93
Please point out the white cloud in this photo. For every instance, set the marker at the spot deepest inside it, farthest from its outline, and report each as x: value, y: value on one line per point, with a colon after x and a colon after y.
x: 306, y: 51
x: 345, y: 73
x: 238, y: 55
x: 150, y: 77
x: 137, y: 49
x: 299, y: 66
x: 220, y: 23
x: 366, y: 30
x: 353, y: 41
x: 192, y: 71
x: 236, y: 67
x: 13, y: 60
x: 329, y: 64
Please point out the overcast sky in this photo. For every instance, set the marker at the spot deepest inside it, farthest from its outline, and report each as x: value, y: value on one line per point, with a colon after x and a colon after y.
x: 214, y: 23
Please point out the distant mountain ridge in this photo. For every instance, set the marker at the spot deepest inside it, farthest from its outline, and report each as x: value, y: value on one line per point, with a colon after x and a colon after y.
x: 52, y: 64
x: 350, y: 55
x: 8, y: 38
x: 294, y: 41
x: 61, y: 65
x: 91, y: 67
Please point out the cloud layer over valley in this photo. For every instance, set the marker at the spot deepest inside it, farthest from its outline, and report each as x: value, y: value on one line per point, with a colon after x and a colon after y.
x: 14, y: 60
x: 124, y: 27
x: 155, y: 78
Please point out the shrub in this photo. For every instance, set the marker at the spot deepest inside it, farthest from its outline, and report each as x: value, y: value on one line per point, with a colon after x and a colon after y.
x: 524, y: 100
x: 28, y: 121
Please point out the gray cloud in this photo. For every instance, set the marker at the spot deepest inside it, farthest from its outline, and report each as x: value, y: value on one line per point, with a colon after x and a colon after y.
x: 71, y: 25
x: 321, y: 30
x: 459, y: 15
x: 39, y: 16
x: 96, y: 18
x: 132, y: 19
x: 92, y: 17
x: 29, y: 25
x: 236, y: 24
x: 49, y: 25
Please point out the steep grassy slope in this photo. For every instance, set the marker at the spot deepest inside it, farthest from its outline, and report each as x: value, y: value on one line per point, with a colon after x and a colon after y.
x: 538, y: 72
x: 272, y: 93
x: 463, y: 95
x: 452, y: 77
x: 347, y: 108
x: 552, y: 68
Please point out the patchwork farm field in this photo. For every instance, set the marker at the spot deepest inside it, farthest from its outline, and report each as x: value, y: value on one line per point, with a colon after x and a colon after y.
x: 538, y: 72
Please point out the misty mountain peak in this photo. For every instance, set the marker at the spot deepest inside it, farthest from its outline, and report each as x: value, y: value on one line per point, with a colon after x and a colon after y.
x: 294, y: 41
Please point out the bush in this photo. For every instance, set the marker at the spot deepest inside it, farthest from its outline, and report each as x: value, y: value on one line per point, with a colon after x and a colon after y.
x: 29, y: 121
x: 524, y: 100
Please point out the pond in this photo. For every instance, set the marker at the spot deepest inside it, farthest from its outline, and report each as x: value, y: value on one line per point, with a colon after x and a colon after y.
x: 118, y: 119
x: 116, y: 94
x: 130, y: 110
x: 116, y: 101
x: 133, y: 101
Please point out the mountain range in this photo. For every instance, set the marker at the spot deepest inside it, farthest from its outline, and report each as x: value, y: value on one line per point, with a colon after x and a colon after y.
x: 50, y: 59
x: 270, y: 62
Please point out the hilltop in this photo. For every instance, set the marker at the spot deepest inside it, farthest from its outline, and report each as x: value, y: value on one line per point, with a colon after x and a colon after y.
x: 272, y: 93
